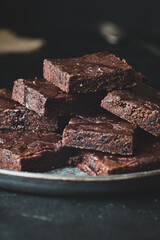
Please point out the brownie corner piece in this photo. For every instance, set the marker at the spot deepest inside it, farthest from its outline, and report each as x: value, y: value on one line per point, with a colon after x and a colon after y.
x: 105, y: 133
x: 101, y: 164
x: 46, y: 99
x: 89, y: 73
x: 32, y: 151
x: 140, y: 105
x: 14, y: 116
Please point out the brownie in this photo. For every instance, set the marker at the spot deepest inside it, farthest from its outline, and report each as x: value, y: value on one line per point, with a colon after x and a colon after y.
x: 140, y: 105
x: 89, y: 73
x: 46, y: 99
x: 14, y: 116
x: 105, y: 133
x: 97, y: 163
x: 32, y: 151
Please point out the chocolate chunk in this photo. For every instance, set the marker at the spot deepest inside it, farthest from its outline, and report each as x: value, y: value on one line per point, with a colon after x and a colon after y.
x: 32, y: 151
x: 140, y: 105
x: 14, y: 116
x: 46, y: 99
x: 96, y: 163
x: 105, y: 133
x: 89, y: 73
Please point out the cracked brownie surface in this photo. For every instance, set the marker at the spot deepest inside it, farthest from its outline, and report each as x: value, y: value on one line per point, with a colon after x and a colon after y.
x: 140, y: 105
x: 89, y: 73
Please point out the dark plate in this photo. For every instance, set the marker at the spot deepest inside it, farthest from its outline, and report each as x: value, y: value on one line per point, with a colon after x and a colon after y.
x: 71, y: 181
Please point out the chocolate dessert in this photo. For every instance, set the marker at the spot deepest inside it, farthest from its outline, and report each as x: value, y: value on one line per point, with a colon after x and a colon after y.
x: 32, y: 151
x: 101, y: 164
x: 89, y: 73
x: 105, y: 133
x: 14, y: 116
x: 46, y: 99
x: 140, y: 105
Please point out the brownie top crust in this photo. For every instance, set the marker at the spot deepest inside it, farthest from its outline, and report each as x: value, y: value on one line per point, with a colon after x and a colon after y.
x: 89, y: 73
x: 103, y: 123
x: 46, y: 89
x: 105, y: 133
x: 138, y: 96
x: 26, y: 143
x: 14, y: 116
x: 148, y: 155
x: 140, y: 105
x: 91, y: 64
x: 104, y: 164
x: 97, y: 163
x: 6, y: 102
x: 46, y: 99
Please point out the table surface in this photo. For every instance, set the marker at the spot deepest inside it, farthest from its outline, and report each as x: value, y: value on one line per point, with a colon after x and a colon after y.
x: 128, y: 216
x: 113, y: 217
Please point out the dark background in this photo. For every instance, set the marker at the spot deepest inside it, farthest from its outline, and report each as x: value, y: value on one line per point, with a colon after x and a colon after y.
x: 47, y: 18
x: 70, y: 28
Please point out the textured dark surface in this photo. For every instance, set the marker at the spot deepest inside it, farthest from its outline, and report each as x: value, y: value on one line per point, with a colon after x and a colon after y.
x: 140, y: 105
x: 14, y: 116
x: 46, y: 99
x: 32, y: 151
x: 118, y: 217
x: 89, y: 73
x: 105, y: 133
x: 97, y: 163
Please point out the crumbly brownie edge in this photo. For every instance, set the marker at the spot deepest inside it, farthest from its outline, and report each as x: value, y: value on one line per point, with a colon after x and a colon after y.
x: 141, y: 116
x: 111, y: 143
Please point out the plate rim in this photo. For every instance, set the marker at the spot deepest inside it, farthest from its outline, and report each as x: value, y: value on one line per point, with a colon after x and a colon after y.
x: 109, y: 178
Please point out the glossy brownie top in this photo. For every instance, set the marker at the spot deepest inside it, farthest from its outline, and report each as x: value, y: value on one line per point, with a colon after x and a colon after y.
x: 91, y: 64
x: 98, y: 163
x: 26, y: 143
x: 6, y: 102
x: 44, y: 88
x: 140, y: 96
x: 102, y: 123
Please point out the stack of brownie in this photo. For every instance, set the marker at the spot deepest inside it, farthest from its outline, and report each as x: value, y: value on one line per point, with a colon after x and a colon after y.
x: 107, y: 114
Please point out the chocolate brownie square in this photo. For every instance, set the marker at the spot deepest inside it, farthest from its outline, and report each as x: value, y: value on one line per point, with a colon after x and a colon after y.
x: 14, y: 116
x: 89, y: 73
x: 32, y: 151
x: 101, y: 164
x: 46, y: 99
x: 140, y: 105
x: 105, y: 133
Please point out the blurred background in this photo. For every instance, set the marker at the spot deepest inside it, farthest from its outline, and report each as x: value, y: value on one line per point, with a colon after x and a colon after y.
x: 130, y: 29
